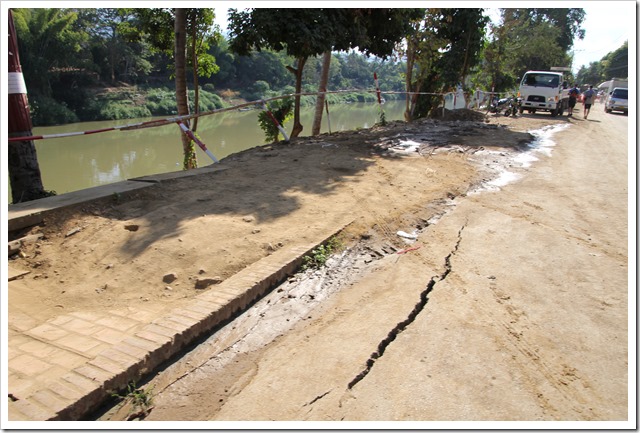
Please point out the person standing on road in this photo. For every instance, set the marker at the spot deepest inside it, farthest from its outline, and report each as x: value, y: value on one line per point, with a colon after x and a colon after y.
x: 573, y: 97
x: 589, y: 96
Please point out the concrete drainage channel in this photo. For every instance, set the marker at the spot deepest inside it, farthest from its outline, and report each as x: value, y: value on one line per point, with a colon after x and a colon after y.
x: 274, y: 314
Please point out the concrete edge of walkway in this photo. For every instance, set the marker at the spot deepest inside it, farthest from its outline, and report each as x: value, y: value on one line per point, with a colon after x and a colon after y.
x: 33, y: 212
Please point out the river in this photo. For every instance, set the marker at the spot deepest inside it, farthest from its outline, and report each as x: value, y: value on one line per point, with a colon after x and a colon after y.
x: 84, y: 161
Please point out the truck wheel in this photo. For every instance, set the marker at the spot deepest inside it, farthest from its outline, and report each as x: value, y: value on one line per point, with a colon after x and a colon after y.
x: 554, y: 112
x: 522, y: 110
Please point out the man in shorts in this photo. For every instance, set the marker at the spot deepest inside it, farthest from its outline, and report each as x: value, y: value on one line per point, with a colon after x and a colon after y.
x: 589, y: 97
x: 573, y: 97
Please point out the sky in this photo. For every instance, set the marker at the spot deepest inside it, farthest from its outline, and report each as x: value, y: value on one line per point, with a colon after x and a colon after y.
x: 607, y: 24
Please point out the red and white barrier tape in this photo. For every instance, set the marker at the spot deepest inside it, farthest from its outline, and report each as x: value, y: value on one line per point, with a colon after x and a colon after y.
x: 171, y: 120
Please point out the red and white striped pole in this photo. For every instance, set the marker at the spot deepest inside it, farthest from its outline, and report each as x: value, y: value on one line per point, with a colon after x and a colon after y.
x: 192, y: 136
x: 275, y: 121
x: 24, y: 171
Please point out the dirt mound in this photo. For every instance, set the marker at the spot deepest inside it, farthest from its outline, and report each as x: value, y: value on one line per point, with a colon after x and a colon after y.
x: 461, y: 114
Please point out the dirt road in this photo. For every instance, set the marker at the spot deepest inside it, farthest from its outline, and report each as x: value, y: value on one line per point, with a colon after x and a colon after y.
x: 511, y: 305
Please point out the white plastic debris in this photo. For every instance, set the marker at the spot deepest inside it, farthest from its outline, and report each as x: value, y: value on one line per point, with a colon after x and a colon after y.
x: 407, y: 235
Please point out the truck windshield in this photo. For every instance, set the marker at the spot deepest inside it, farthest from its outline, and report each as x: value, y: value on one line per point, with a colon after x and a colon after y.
x: 541, y: 80
x: 620, y: 93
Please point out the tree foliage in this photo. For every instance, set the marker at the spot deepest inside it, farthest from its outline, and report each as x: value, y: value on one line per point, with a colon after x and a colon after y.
x: 448, y: 46
x: 306, y: 33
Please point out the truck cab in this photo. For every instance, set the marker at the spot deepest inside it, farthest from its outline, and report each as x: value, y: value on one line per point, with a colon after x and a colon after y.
x: 545, y: 91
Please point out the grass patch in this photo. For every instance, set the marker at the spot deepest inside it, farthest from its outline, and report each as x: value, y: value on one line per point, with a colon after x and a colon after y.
x: 140, y: 400
x: 318, y: 257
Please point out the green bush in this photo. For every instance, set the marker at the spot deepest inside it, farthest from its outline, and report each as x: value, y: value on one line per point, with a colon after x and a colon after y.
x: 46, y: 111
x: 116, y: 110
x: 282, y: 110
x: 208, y: 101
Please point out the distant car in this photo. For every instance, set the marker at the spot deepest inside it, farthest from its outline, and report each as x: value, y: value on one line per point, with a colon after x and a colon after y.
x: 617, y: 101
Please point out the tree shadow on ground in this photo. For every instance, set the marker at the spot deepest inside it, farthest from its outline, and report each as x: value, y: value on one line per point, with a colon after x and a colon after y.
x: 264, y: 183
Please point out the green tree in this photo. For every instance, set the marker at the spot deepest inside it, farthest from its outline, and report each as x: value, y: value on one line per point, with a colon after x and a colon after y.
x: 306, y: 33
x: 541, y: 38
x: 49, y: 44
x: 448, y: 46
x: 302, y: 33
x: 193, y: 31
x: 616, y: 63
x: 109, y: 31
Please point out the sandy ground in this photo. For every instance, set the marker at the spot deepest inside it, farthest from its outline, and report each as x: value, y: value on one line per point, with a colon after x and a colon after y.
x: 115, y: 254
x: 513, y: 333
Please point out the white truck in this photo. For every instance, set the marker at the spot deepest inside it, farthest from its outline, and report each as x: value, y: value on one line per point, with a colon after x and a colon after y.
x: 608, y: 86
x: 545, y: 91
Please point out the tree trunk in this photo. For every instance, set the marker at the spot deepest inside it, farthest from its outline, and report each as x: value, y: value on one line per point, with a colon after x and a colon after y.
x: 324, y: 78
x: 181, y: 84
x: 22, y: 159
x: 408, y: 78
x: 196, y: 83
x: 297, y: 126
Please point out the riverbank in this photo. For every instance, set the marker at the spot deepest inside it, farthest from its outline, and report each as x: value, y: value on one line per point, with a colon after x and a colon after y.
x: 127, y: 101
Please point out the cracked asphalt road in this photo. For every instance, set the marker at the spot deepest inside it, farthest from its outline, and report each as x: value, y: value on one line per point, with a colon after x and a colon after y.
x: 514, y: 308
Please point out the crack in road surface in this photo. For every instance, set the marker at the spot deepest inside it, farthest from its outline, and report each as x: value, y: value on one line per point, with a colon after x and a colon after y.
x: 401, y: 326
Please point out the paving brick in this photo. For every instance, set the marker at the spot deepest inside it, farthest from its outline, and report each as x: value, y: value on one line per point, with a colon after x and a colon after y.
x: 161, y: 330
x: 124, y: 360
x: 13, y: 352
x: 95, y: 373
x: 81, y: 326
x: 31, y: 411
x: 119, y: 323
x: 109, y: 335
x: 49, y: 399
x: 131, y: 350
x: 201, y: 307
x: 195, y: 315
x: 28, y: 365
x: 66, y: 358
x: 54, y: 372
x: 106, y: 364
x: 14, y: 414
x: 89, y: 316
x: 215, y: 298
x: 61, y: 320
x: 65, y: 389
x: 146, y: 315
x: 167, y: 322
x: 210, y: 305
x: 37, y: 348
x: 143, y: 343
x: 84, y: 384
x: 48, y: 332
x: 20, y: 386
x: 159, y: 339
x: 183, y: 320
x: 79, y: 343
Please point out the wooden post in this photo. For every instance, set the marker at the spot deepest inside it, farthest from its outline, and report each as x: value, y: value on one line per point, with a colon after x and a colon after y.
x: 24, y: 171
